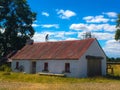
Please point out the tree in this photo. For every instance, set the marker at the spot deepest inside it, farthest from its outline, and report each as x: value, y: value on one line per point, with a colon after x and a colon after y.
x: 16, y: 21
x: 117, y: 34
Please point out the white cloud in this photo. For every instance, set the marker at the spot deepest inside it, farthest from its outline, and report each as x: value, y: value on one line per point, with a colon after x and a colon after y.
x: 54, y: 36
x: 40, y: 37
x: 93, y: 27
x: 50, y: 26
x: 103, y: 36
x: 71, y: 39
x: 98, y: 35
x: 112, y: 48
x: 95, y: 19
x: 45, y: 14
x: 111, y: 14
x: 108, y: 27
x: 63, y: 35
x: 60, y: 35
x: 65, y: 14
x: 35, y: 25
x: 79, y: 26
x: 70, y: 33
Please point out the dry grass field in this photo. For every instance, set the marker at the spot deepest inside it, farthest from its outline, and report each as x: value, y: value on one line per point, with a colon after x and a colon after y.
x: 20, y: 81
x: 57, y: 86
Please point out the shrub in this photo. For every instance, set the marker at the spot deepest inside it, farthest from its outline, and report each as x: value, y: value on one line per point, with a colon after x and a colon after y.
x: 5, y: 68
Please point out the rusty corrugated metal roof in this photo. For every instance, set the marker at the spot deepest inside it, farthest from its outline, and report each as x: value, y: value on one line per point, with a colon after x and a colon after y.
x: 61, y: 50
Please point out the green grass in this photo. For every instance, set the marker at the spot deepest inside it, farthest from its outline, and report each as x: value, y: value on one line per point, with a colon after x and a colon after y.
x: 35, y: 78
x: 21, y: 81
x: 116, y: 70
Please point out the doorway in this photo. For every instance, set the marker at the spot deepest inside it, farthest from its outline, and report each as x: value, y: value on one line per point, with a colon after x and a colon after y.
x: 94, y: 67
x: 33, y: 70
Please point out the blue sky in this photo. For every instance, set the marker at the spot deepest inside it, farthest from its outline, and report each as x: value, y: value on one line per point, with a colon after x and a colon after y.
x: 70, y: 19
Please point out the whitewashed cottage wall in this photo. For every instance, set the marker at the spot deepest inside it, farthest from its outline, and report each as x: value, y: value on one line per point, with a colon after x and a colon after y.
x: 25, y: 63
x: 58, y: 66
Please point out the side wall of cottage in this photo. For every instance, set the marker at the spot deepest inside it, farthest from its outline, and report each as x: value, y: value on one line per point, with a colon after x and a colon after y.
x: 24, y: 63
x: 58, y: 67
x: 54, y: 66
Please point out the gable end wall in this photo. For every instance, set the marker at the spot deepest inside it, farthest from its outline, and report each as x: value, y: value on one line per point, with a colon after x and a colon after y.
x: 95, y: 50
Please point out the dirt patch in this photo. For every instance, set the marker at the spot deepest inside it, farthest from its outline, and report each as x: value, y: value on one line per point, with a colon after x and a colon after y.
x: 72, y: 86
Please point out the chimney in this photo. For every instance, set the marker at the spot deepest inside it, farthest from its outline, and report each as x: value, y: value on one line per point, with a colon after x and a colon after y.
x: 87, y: 35
x: 29, y: 42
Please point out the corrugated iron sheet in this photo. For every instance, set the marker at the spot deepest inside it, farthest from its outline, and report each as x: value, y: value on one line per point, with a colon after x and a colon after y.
x: 61, y: 50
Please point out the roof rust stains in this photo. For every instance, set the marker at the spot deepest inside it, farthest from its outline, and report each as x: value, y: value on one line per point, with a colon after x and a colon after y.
x: 61, y: 50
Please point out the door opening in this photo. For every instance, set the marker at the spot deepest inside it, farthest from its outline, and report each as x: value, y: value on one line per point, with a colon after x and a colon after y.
x: 33, y: 67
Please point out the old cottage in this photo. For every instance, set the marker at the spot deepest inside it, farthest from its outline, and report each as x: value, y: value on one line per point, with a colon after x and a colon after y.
x: 75, y: 58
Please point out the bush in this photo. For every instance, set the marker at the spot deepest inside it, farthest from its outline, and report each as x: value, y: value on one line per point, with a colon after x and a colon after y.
x: 5, y: 68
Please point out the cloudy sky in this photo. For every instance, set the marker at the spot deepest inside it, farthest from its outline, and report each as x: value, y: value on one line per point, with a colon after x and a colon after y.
x: 70, y: 19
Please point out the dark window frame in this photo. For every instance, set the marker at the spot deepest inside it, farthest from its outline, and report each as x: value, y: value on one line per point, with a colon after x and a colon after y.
x: 67, y: 67
x: 17, y: 65
x: 46, y: 66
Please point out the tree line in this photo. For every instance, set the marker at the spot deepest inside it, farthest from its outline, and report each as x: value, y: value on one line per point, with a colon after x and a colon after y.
x: 16, y: 19
x: 112, y: 59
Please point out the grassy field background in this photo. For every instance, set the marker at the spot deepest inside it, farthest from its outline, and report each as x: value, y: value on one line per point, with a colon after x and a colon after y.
x: 20, y: 81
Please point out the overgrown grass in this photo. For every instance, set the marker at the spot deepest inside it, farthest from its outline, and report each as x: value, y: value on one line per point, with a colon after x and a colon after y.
x: 116, y: 70
x: 21, y: 81
x: 35, y: 78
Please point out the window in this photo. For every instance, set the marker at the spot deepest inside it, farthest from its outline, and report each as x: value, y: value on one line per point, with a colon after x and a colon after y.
x: 17, y: 65
x: 34, y: 64
x: 67, y: 67
x: 45, y: 66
